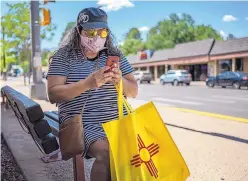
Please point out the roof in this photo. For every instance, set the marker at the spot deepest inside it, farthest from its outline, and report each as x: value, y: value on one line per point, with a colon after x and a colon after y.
x: 159, y: 55
x: 230, y: 46
x: 132, y: 59
x: 191, y: 49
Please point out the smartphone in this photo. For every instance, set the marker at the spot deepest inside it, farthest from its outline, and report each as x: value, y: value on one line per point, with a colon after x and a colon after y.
x: 113, y: 62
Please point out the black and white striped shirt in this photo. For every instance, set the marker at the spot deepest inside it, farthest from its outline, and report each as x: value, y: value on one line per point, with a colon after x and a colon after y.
x: 101, y: 104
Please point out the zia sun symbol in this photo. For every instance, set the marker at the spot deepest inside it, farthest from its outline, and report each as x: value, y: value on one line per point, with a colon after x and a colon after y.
x: 145, y: 156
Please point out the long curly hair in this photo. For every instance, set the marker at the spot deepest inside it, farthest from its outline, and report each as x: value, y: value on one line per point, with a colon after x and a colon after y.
x: 72, y: 43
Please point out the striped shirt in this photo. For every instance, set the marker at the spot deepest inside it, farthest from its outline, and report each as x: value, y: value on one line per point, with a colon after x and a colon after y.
x: 101, y: 105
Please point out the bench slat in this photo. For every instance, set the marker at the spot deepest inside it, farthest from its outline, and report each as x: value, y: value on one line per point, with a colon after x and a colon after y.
x: 27, y: 106
x: 30, y: 114
x: 42, y: 126
x: 53, y: 115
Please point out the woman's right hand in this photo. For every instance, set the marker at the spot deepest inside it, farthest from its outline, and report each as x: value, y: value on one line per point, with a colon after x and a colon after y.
x: 99, y: 78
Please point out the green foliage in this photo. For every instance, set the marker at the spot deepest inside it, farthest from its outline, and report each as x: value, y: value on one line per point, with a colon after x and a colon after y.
x: 15, y: 33
x: 131, y: 46
x: 134, y: 33
x: 45, y: 56
x: 230, y: 36
x: 168, y: 33
x: 204, y: 32
x: 68, y: 27
x: 133, y: 42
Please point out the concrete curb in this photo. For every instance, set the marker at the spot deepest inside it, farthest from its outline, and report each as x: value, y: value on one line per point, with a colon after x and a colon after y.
x: 28, y: 156
x: 14, y: 156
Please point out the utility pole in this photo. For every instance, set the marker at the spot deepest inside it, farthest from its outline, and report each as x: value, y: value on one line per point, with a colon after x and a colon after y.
x: 38, y: 87
x: 4, y: 69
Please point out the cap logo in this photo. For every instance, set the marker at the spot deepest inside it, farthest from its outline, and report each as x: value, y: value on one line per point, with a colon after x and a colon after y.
x: 83, y: 17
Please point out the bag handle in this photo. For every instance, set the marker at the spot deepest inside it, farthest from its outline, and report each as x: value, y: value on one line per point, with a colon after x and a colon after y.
x: 122, y: 101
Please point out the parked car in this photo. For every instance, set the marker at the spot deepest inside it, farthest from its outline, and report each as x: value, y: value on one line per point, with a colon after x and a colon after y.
x: 142, y: 76
x: 228, y: 78
x: 175, y: 77
x: 15, y: 71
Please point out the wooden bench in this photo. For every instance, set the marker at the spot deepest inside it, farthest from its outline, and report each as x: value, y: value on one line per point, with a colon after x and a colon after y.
x: 42, y: 126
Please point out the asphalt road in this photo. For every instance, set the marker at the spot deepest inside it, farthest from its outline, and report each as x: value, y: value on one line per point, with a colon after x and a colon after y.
x: 226, y: 101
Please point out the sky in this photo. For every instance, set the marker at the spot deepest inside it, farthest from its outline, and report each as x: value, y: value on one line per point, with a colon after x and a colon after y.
x: 225, y: 17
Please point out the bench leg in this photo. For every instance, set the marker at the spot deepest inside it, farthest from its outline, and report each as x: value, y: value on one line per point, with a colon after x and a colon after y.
x: 78, y: 168
x: 4, y: 101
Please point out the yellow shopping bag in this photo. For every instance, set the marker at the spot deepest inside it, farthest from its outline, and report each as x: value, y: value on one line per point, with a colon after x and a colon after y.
x: 141, y: 148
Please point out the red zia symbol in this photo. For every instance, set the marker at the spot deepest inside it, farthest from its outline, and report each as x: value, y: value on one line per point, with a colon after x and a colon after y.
x: 145, y: 156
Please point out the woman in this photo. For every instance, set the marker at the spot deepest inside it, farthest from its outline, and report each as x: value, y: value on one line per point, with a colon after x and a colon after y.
x: 78, y: 78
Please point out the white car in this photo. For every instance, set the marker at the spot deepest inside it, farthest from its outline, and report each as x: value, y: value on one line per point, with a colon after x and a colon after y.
x: 175, y: 77
x: 141, y: 76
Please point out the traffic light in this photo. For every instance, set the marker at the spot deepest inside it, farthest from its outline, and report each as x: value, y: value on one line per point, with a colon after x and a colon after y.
x: 46, y: 19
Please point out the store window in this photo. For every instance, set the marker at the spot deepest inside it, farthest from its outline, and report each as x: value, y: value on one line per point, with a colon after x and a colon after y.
x: 225, y: 65
x: 239, y: 64
x: 161, y: 70
x: 204, y: 72
x: 151, y: 69
x: 143, y: 68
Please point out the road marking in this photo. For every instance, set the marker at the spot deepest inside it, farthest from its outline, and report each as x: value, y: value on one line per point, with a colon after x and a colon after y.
x: 231, y: 98
x: 176, y: 101
x: 215, y: 115
x: 219, y: 116
x: 210, y: 100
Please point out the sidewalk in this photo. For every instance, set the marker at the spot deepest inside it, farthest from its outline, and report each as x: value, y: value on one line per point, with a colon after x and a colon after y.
x: 214, y: 149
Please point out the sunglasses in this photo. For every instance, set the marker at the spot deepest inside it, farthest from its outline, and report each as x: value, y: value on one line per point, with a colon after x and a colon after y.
x: 103, y: 33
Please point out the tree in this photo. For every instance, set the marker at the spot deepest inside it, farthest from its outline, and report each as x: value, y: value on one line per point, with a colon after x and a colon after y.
x: 230, y: 36
x: 188, y: 19
x: 68, y: 27
x: 175, y: 29
x: 157, y: 42
x: 174, y: 18
x: 134, y: 33
x: 132, y: 46
x: 45, y: 54
x: 202, y: 32
x: 16, y: 32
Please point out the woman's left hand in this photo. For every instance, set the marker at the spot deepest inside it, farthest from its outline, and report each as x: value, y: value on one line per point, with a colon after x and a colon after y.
x: 117, y: 76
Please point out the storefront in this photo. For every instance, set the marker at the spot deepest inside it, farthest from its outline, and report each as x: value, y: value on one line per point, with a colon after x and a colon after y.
x: 210, y: 59
x: 224, y: 65
x: 198, y: 71
x: 161, y: 70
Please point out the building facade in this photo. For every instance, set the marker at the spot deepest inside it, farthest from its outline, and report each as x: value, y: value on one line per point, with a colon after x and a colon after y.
x: 201, y: 58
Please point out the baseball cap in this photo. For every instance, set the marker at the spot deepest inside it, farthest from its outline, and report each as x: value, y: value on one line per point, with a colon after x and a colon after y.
x: 92, y: 17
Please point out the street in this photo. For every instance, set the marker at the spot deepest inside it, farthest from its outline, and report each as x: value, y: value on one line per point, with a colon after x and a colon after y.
x: 225, y: 101
x: 218, y: 100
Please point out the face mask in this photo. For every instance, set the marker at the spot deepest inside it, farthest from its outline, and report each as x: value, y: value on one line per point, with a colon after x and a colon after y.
x: 94, y: 44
